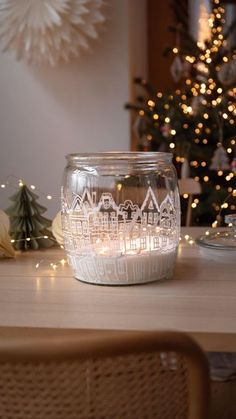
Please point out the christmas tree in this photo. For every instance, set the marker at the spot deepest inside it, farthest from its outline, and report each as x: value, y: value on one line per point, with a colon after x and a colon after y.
x: 28, y: 228
x: 196, y: 120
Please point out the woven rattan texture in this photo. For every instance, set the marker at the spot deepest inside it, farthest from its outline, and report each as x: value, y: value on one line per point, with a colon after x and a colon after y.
x: 223, y: 400
x: 150, y: 385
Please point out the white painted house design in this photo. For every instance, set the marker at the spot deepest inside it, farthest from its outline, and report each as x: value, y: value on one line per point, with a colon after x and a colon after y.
x: 123, y: 228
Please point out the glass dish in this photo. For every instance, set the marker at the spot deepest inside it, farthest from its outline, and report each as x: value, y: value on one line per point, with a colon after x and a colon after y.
x: 220, y: 245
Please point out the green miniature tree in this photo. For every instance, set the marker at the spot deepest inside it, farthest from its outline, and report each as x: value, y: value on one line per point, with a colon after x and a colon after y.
x: 28, y: 228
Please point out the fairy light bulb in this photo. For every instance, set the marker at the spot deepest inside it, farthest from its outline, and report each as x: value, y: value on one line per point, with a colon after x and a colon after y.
x: 224, y: 205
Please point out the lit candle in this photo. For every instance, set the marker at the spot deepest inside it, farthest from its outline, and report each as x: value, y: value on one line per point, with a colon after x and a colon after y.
x: 129, y: 268
x: 147, y: 254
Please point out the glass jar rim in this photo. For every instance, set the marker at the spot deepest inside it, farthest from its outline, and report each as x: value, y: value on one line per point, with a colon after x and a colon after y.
x: 119, y: 156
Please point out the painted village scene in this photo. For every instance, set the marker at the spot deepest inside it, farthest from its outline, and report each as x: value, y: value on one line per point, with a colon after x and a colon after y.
x: 125, y: 227
x: 98, y: 226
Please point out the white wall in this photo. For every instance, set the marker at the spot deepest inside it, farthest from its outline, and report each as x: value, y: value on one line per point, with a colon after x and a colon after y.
x: 46, y: 113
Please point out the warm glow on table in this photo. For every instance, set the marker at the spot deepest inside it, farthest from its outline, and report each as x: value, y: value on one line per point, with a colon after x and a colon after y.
x: 200, y: 299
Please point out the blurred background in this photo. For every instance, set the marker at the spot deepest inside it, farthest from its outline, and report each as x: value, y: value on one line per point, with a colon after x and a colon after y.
x: 143, y: 85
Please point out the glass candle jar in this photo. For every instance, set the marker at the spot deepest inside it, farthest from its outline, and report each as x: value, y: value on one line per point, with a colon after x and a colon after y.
x: 120, y: 216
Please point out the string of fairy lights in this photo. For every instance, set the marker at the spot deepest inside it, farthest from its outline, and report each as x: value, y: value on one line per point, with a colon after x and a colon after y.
x: 211, y: 87
x: 216, y: 21
x: 186, y: 238
x: 9, y: 183
x: 211, y: 93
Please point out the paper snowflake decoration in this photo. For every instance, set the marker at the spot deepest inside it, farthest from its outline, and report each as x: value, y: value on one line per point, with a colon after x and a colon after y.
x: 49, y: 31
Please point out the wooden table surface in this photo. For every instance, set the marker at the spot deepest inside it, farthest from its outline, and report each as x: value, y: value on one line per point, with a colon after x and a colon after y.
x: 200, y: 299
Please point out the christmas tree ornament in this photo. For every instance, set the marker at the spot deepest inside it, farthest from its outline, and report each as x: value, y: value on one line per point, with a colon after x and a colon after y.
x: 233, y: 165
x: 165, y: 129
x: 139, y: 127
x: 202, y: 72
x: 176, y: 69
x: 185, y: 170
x: 186, y: 69
x: 227, y: 73
x: 28, y: 228
x: 50, y: 31
x: 196, y: 104
x: 220, y: 160
x: 199, y: 21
